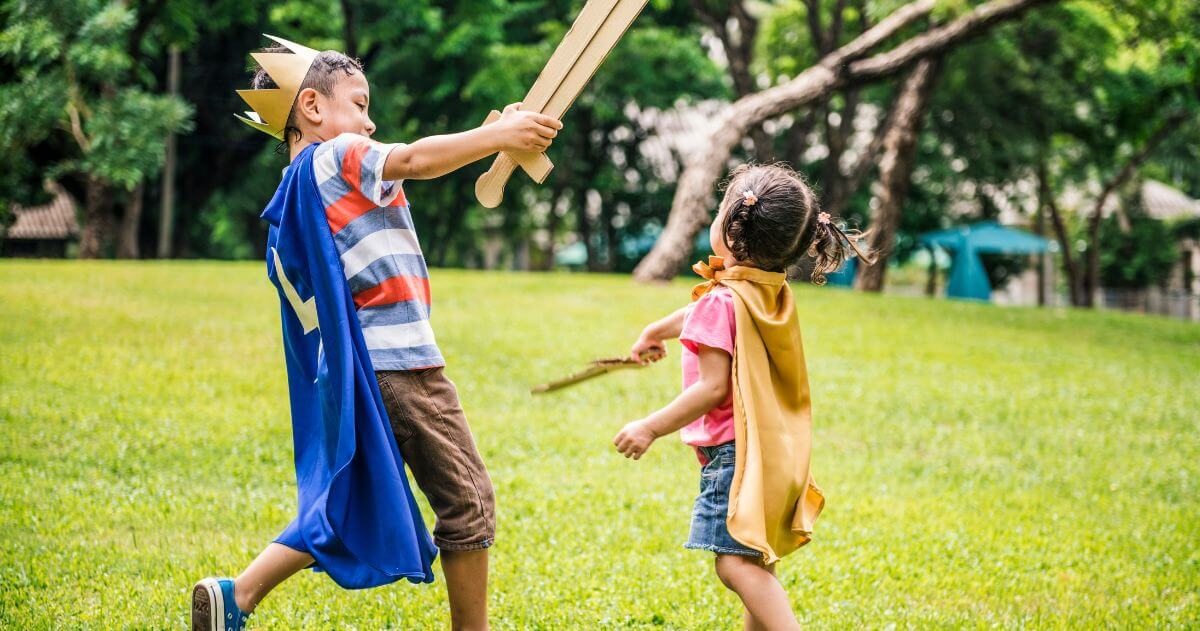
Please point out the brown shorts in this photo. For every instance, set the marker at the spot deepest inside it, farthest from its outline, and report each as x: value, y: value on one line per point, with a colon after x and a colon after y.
x: 435, y: 441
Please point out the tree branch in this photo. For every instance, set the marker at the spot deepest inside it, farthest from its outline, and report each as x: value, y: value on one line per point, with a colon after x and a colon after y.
x: 941, y: 38
x: 834, y: 71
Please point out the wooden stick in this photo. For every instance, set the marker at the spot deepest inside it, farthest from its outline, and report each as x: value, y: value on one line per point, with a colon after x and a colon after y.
x: 598, y: 367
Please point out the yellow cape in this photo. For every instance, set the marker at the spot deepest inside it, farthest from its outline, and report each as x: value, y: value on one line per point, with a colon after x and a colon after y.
x: 773, y: 500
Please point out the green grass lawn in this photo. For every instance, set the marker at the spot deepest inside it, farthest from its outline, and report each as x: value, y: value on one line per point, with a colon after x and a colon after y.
x: 984, y: 467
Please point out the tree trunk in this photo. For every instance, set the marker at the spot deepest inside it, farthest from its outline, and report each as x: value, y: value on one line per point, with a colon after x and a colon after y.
x: 131, y: 221
x: 739, y: 52
x: 166, y: 214
x: 583, y: 224
x: 837, y: 138
x: 1091, y: 279
x: 552, y: 221
x: 1039, y: 228
x: 97, y: 226
x: 1046, y: 193
x: 895, y: 170
x: 694, y: 193
x: 931, y: 280
x: 611, y: 238
x: 836, y: 187
x: 835, y: 202
x: 348, y: 34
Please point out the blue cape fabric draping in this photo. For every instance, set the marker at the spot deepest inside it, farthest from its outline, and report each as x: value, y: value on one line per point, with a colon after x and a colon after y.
x: 357, y: 516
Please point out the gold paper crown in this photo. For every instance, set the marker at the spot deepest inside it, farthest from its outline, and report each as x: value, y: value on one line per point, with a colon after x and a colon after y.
x: 271, y: 107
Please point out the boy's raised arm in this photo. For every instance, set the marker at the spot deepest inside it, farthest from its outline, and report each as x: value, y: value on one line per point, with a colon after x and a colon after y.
x: 435, y: 156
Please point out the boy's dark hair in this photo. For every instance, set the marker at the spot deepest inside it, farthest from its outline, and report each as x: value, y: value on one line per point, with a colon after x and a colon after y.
x: 772, y: 218
x: 322, y: 75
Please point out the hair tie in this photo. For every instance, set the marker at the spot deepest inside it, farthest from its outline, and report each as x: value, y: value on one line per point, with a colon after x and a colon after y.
x: 823, y: 218
x: 749, y: 198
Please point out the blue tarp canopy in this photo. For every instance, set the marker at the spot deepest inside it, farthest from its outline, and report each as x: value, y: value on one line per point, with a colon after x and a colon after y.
x: 968, y: 279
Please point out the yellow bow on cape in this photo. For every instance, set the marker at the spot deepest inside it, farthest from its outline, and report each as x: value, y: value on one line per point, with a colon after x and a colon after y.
x: 707, y: 270
x: 773, y: 500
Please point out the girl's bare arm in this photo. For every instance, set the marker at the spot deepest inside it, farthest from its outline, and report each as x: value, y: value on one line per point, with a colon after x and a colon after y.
x: 652, y: 337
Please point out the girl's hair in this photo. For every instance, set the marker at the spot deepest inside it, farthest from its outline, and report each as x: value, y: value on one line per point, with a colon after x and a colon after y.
x: 772, y: 219
x: 322, y: 76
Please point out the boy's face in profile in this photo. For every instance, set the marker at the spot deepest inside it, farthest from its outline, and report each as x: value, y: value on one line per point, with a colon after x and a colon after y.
x: 344, y: 111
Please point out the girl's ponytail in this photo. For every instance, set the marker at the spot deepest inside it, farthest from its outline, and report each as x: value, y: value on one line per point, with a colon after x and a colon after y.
x: 831, y: 246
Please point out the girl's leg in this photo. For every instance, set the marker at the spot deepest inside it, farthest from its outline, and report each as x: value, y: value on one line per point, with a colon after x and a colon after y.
x: 272, y: 566
x: 749, y: 622
x: 766, y: 602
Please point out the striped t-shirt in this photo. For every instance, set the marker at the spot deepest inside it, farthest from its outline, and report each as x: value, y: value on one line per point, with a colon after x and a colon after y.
x: 381, y: 257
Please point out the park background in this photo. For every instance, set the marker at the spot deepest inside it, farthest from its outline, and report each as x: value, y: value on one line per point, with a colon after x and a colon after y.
x: 985, y: 465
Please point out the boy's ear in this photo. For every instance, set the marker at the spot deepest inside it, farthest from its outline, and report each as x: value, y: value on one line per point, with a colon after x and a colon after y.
x: 308, y: 106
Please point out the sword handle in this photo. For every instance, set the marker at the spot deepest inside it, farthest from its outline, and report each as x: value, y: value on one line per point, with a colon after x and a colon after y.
x: 489, y: 188
x: 535, y: 163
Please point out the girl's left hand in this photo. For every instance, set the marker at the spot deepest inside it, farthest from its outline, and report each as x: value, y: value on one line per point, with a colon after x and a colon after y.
x: 634, y: 439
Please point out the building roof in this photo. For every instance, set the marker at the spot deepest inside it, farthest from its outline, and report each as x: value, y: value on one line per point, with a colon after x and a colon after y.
x: 1166, y: 202
x: 55, y: 220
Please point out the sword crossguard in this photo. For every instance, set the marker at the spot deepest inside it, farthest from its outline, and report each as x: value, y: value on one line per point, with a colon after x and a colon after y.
x: 489, y: 188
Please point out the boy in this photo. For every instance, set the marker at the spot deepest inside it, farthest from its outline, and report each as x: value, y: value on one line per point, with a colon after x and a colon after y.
x: 351, y: 495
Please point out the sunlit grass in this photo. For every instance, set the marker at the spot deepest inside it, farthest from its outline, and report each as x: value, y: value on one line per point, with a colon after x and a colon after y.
x: 983, y: 466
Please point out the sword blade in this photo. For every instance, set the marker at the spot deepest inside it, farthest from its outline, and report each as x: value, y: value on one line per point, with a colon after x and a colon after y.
x: 589, y: 22
x: 615, y: 25
x: 592, y: 36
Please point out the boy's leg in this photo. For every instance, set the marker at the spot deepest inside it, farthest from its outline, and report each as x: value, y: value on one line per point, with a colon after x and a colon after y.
x: 466, y: 584
x: 222, y: 604
x: 766, y: 602
x: 270, y: 568
x: 436, y: 444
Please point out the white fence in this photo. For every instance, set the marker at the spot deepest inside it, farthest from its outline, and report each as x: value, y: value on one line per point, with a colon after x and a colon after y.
x: 1173, y: 304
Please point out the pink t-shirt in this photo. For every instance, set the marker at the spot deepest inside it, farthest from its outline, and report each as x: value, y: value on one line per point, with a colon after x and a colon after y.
x: 709, y: 321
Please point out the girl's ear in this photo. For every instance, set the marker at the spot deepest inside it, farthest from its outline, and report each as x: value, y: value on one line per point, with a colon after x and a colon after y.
x: 308, y: 106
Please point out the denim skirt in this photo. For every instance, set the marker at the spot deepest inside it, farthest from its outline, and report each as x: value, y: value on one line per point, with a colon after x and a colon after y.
x: 712, y: 505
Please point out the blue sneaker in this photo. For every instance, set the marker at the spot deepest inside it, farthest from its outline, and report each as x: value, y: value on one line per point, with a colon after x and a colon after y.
x: 213, y: 606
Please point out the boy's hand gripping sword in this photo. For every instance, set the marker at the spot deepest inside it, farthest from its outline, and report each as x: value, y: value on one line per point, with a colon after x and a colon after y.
x: 595, y: 32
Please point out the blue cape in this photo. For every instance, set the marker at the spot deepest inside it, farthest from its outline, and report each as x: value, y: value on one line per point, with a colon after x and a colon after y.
x: 357, y: 515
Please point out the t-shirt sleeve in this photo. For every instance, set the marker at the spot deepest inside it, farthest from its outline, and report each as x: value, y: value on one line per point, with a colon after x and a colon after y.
x: 352, y: 162
x: 710, y: 322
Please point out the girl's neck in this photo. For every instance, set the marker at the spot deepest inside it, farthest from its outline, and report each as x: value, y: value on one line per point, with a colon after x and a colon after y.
x: 732, y: 262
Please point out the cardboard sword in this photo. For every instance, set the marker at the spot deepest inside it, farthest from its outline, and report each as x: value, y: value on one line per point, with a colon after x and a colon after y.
x: 592, y: 36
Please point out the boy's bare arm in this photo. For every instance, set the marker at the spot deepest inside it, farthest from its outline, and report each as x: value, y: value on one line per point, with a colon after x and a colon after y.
x: 435, y: 156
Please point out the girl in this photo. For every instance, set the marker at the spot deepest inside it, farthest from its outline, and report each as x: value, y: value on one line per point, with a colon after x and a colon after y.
x: 744, y: 407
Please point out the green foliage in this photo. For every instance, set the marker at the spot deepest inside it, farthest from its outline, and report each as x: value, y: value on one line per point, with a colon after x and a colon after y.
x: 454, y: 63
x: 1137, y: 259
x: 128, y: 135
x: 984, y: 467
x: 1078, y: 86
x: 81, y: 87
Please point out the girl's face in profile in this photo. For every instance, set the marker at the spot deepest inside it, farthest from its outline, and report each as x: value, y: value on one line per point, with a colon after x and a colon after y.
x: 716, y: 233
